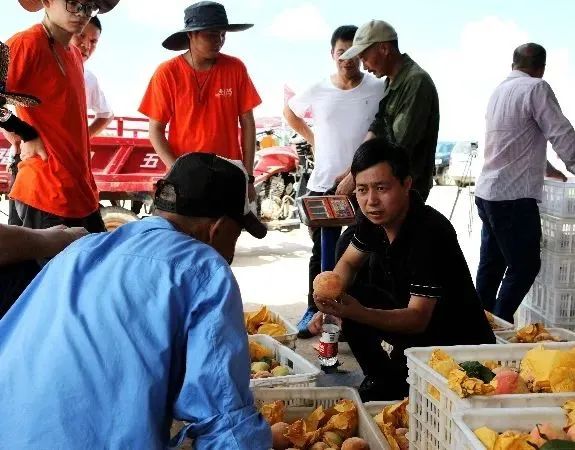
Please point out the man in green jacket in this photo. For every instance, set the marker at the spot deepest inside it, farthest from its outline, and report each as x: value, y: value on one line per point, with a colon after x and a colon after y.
x: 409, y: 111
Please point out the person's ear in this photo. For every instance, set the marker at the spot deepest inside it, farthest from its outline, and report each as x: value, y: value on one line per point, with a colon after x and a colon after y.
x: 383, y: 48
x: 407, y: 183
x: 217, y: 228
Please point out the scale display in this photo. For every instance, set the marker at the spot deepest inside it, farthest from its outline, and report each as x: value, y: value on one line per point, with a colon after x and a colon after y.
x: 325, y: 211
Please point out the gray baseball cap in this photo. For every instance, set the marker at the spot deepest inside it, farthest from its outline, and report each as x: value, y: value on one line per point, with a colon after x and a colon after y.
x: 367, y: 35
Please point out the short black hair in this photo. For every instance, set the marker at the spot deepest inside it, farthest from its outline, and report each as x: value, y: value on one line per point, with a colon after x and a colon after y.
x: 381, y: 150
x: 96, y: 22
x: 529, y: 56
x: 343, y: 33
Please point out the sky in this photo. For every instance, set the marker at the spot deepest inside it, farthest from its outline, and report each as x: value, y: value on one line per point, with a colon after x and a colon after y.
x: 466, y: 46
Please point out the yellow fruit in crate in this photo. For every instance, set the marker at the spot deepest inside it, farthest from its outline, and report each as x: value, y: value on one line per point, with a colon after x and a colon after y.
x: 443, y: 364
x: 487, y: 436
x: 318, y: 446
x: 355, y: 443
x: 401, y: 440
x: 332, y: 439
x: 280, y: 442
x: 513, y: 440
x: 562, y: 379
x: 280, y: 371
x: 259, y: 352
x: 262, y: 374
x: 539, y: 363
x: 254, y: 319
x: 260, y: 367
x: 272, y: 329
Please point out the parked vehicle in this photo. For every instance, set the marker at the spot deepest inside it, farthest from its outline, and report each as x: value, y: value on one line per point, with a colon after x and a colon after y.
x: 124, y: 164
x: 126, y: 168
x: 279, y: 172
x: 464, y: 164
x: 442, y: 155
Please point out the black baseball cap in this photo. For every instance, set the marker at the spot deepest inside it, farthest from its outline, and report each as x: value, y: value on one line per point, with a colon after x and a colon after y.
x: 207, y: 185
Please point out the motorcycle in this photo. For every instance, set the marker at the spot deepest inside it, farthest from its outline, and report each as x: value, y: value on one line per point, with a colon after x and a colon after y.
x: 281, y: 174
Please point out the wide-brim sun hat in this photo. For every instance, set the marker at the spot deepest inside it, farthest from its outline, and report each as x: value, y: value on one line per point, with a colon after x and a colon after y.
x: 36, y: 5
x: 199, y: 17
x: 12, y: 98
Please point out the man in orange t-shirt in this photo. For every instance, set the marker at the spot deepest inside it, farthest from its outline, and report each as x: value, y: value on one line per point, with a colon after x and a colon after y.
x: 202, y: 93
x: 54, y: 184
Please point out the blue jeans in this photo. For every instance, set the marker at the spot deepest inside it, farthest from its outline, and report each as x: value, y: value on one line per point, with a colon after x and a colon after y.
x: 510, y: 255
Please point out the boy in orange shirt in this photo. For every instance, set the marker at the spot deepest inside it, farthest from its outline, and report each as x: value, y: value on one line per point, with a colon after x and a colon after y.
x: 54, y: 185
x: 203, y: 93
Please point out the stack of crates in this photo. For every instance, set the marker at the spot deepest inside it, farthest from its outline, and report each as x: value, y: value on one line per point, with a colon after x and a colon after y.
x: 551, y: 300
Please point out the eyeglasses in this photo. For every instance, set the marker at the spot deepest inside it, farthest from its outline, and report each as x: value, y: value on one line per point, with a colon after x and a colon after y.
x: 88, y: 9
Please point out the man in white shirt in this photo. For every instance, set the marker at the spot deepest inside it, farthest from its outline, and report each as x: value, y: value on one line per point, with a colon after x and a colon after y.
x: 522, y: 115
x: 87, y: 42
x: 343, y: 106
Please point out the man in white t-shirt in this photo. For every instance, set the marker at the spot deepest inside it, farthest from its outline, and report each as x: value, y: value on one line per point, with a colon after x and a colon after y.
x: 343, y: 106
x: 87, y: 42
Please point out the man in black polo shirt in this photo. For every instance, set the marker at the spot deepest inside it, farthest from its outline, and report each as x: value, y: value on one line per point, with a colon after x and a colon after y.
x: 419, y: 290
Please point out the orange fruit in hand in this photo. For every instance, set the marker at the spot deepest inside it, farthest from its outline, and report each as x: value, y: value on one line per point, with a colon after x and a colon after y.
x: 328, y: 284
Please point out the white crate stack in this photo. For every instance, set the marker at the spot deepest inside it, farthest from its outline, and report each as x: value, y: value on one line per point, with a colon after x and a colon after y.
x: 551, y: 300
x: 432, y: 418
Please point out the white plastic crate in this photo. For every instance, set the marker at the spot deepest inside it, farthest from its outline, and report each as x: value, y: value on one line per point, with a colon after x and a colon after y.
x: 502, y: 337
x: 303, y: 373
x: 558, y: 234
x: 501, y: 420
x: 431, y: 424
x: 500, y: 323
x: 558, y: 198
x: 302, y: 401
x: 556, y: 306
x: 557, y: 270
x: 290, y: 338
x: 526, y: 315
x: 374, y: 408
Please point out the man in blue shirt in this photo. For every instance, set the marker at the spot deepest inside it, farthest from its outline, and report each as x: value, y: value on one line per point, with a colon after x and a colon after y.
x: 123, y: 332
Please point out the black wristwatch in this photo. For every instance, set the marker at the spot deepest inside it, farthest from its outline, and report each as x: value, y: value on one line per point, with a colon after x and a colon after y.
x: 251, y: 179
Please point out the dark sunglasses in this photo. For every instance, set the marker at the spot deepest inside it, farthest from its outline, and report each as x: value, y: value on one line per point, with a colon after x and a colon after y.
x: 88, y: 9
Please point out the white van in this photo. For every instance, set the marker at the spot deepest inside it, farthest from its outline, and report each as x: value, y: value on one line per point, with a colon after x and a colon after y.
x: 464, y: 164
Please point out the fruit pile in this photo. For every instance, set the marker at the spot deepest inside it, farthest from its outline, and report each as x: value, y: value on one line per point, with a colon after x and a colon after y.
x: 393, y: 421
x: 541, y: 370
x: 543, y: 436
x: 261, y: 322
x: 535, y: 332
x: 264, y: 365
x: 324, y: 429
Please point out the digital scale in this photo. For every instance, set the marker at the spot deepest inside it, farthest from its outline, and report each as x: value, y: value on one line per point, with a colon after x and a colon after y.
x: 326, y: 211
